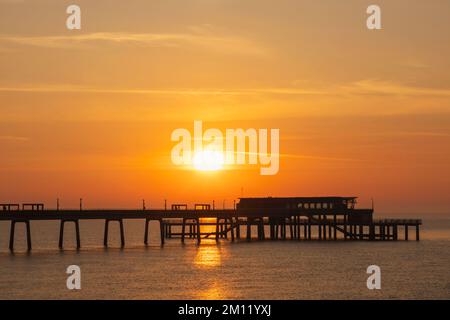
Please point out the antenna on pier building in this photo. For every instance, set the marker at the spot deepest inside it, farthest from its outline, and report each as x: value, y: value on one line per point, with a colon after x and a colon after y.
x: 214, y: 206
x: 81, y: 204
x: 57, y: 204
x: 165, y: 204
x: 143, y: 204
x: 373, y: 204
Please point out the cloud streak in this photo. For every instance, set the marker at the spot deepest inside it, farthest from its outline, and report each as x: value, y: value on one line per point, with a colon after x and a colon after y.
x: 204, y: 39
x: 14, y: 138
x: 376, y: 87
x: 364, y: 87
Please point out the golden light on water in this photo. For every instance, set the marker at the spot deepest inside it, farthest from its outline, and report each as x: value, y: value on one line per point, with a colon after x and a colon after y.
x: 214, y: 292
x: 209, y: 255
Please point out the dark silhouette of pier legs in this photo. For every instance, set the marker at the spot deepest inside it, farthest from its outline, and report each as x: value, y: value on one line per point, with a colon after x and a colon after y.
x: 261, y: 233
x: 309, y: 228
x: 417, y: 233
x: 218, y: 229
x: 183, y: 229
x: 61, y: 233
x: 345, y: 227
x: 271, y: 229
x: 372, y: 232
x: 232, y: 229
x: 406, y: 232
x: 161, y: 231
x: 147, y: 221
x: 196, y: 229
x: 290, y: 228
x: 305, y: 231
x: 199, y: 238
x: 277, y: 229
x: 122, y: 233
x: 319, y: 228
x: 249, y: 229
x: 335, y: 227
x: 164, y: 230
x: 12, y: 231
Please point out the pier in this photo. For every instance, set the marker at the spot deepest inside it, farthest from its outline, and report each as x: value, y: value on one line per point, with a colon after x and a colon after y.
x: 295, y: 218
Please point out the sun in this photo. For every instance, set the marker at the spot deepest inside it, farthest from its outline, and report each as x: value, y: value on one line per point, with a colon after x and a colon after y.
x: 208, y: 160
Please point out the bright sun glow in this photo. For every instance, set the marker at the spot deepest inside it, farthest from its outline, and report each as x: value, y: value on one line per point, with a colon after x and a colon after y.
x: 208, y: 160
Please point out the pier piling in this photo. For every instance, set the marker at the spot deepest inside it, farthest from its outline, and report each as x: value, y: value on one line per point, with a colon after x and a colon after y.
x: 12, y: 232
x: 61, y: 233
x: 122, y: 233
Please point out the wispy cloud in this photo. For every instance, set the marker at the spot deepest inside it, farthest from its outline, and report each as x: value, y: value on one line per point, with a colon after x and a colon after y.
x: 204, y: 38
x: 363, y: 87
x: 14, y: 138
x: 314, y: 157
x: 178, y: 91
x: 430, y: 134
x: 377, y: 87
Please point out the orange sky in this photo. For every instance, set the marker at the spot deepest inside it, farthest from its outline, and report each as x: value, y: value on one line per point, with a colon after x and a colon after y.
x: 89, y: 113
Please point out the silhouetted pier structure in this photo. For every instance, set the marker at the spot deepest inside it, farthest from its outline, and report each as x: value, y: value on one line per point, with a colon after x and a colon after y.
x: 296, y: 218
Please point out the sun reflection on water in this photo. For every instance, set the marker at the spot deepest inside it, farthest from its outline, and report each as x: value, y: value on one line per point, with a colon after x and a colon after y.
x: 209, y: 253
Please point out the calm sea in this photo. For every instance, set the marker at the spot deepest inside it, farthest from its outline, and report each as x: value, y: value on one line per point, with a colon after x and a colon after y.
x: 288, y: 269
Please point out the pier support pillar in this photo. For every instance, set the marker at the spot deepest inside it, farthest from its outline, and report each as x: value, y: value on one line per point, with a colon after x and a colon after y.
x: 334, y: 229
x: 319, y: 228
x: 232, y: 229
x: 305, y: 231
x: 199, y: 238
x: 249, y: 229
x: 12, y: 231
x: 290, y: 228
x: 161, y: 230
x: 217, y: 228
x: 417, y: 233
x: 122, y: 233
x: 183, y: 229
x: 276, y: 229
x: 164, y: 230
x: 372, y: 232
x: 261, y: 233
x: 238, y: 229
x: 309, y: 228
x: 61, y: 233
x: 345, y: 227
x: 395, y: 232
x: 406, y: 232
x: 147, y: 221
x: 195, y: 232
x: 271, y: 229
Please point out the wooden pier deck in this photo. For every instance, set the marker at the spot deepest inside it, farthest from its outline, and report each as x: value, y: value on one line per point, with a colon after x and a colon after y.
x: 329, y: 218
